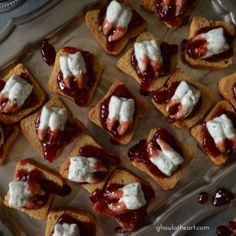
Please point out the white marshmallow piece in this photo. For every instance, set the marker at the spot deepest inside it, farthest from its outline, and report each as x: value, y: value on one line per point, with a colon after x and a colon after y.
x: 19, y: 194
x: 167, y: 159
x: 118, y: 14
x: 66, y: 230
x: 133, y: 196
x: 17, y: 90
x: 220, y: 128
x: 81, y: 169
x: 53, y: 118
x: 147, y: 49
x: 72, y: 65
x: 187, y: 96
x: 121, y: 109
x: 216, y: 42
x: 1, y: 136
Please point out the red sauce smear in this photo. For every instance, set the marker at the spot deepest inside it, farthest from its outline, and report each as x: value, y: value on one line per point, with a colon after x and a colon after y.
x: 222, y: 197
x: 169, y: 15
x: 132, y: 218
x: 107, y: 159
x: 164, y: 96
x: 120, y: 91
x: 7, y: 131
x: 48, y: 52
x: 209, y: 145
x: 138, y: 152
x: 85, y: 228
x: 190, y: 46
x: 52, y: 146
x: 36, y: 177
x: 136, y: 21
x: 203, y: 198
x: 30, y: 101
x: 167, y: 52
x: 80, y: 96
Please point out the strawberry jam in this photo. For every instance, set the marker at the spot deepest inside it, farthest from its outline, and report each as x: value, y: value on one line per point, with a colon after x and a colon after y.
x: 195, y: 47
x: 48, y: 52
x: 222, y: 197
x: 132, y: 218
x: 85, y: 228
x: 51, y: 146
x: 167, y: 52
x: 135, y: 22
x: 139, y: 152
x: 81, y: 96
x: 169, y: 14
x: 209, y: 145
x: 7, y: 131
x: 35, y: 179
x: 120, y: 91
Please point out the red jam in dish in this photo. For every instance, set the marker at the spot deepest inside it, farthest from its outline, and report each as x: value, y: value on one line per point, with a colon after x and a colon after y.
x: 168, y: 13
x: 209, y: 145
x: 29, y: 102
x: 191, y: 45
x: 85, y: 228
x: 163, y: 96
x: 136, y: 21
x: 81, y: 96
x: 132, y: 218
x: 167, y: 52
x: 51, y: 145
x: 140, y: 154
x: 100, y: 154
x: 36, y: 180
x: 120, y: 91
x: 48, y: 52
x: 222, y: 197
x: 7, y: 131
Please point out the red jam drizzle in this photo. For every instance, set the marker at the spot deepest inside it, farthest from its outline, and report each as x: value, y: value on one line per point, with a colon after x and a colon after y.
x: 169, y: 15
x: 190, y: 46
x: 80, y: 96
x: 85, y: 228
x: 100, y: 154
x: 209, y: 145
x: 164, y: 95
x: 48, y: 52
x: 7, y: 131
x: 223, y: 230
x: 222, y: 197
x: 132, y: 218
x: 120, y: 91
x: 203, y: 198
x: 30, y: 101
x: 167, y: 52
x: 138, y: 152
x: 36, y: 177
x: 52, y: 146
x: 136, y: 21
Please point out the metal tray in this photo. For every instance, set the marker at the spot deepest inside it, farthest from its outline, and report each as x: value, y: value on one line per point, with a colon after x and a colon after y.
x: 62, y: 22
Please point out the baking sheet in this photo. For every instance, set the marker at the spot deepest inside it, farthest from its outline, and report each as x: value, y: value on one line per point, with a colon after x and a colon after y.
x: 173, y: 206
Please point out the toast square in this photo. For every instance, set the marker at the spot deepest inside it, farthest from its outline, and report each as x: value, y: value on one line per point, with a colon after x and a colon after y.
x: 169, y: 182
x: 148, y: 5
x: 83, y: 141
x: 198, y: 23
x: 30, y: 165
x: 28, y: 126
x: 197, y: 131
x: 12, y: 133
x: 97, y: 67
x: 94, y: 114
x: 124, y: 63
x: 79, y: 215
x: 39, y: 97
x: 227, y: 88
x: 206, y: 100
x: 92, y: 21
